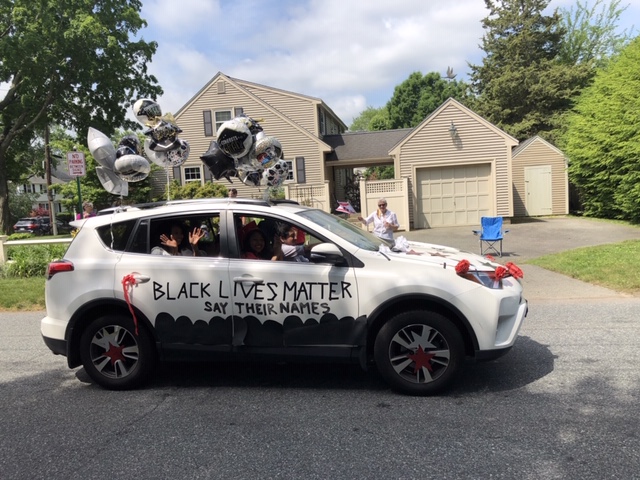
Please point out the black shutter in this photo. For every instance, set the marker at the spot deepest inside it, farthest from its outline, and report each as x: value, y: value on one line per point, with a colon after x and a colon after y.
x: 301, y: 176
x: 208, y: 123
x: 176, y: 174
x: 237, y: 111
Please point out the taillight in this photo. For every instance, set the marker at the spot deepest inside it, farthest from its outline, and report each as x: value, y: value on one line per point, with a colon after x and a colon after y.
x: 59, y: 266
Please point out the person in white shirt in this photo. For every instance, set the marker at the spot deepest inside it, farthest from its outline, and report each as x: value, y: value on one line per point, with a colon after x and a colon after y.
x: 385, y: 222
x: 287, y: 236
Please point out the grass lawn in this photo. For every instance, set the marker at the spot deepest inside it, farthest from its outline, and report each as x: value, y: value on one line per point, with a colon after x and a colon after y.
x: 615, y: 266
x: 22, y: 294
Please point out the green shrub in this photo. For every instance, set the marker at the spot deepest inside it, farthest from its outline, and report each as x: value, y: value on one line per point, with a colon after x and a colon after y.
x: 31, y: 260
x: 20, y: 236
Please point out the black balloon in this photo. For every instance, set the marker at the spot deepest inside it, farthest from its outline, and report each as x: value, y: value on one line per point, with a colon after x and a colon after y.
x: 164, y: 132
x: 219, y: 163
x: 129, y: 145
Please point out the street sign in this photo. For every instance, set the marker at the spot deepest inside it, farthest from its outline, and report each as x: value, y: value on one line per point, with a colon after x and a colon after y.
x: 76, y: 165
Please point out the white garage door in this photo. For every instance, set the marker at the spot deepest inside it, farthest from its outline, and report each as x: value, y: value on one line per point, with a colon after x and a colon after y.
x: 453, y: 195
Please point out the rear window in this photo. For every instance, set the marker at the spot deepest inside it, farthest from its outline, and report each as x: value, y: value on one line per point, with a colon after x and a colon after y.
x: 115, y: 236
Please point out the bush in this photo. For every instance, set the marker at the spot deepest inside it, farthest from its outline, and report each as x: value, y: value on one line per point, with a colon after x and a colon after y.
x: 31, y: 260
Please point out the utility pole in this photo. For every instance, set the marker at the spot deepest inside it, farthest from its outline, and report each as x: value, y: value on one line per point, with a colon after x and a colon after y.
x: 47, y: 159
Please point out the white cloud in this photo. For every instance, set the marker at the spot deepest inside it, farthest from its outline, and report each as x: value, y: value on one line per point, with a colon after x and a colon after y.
x: 351, y: 54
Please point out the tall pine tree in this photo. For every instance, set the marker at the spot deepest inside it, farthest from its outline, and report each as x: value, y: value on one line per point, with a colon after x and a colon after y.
x: 521, y: 85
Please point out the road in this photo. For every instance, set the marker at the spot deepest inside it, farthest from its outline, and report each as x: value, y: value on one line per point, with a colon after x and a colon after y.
x: 563, y: 404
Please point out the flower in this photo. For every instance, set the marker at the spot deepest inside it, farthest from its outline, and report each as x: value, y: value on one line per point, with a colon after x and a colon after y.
x: 462, y: 267
x: 514, y: 270
x: 501, y: 272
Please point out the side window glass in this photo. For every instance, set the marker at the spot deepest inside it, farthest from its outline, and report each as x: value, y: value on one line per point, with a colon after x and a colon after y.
x: 193, y: 235
x: 115, y: 236
x: 140, y: 243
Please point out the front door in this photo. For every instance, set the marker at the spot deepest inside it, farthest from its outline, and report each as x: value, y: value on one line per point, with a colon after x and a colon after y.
x: 293, y: 304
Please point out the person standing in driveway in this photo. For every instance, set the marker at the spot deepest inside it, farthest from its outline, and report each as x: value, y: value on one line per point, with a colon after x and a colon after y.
x: 385, y: 222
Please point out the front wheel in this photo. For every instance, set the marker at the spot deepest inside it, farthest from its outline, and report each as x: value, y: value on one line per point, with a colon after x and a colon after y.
x: 114, y: 356
x: 419, y: 353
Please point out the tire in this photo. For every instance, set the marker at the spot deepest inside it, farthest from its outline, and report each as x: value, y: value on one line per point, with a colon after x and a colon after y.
x: 435, y: 345
x: 114, y: 356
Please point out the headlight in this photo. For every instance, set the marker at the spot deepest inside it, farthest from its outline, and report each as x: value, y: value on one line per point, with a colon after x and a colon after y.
x: 488, y: 279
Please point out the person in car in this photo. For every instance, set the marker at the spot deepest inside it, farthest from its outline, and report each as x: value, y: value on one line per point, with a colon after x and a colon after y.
x: 286, y: 237
x: 256, y: 248
x: 385, y: 222
x: 175, y: 244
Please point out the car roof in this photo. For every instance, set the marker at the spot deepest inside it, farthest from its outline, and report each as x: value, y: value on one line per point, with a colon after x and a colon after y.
x: 128, y: 212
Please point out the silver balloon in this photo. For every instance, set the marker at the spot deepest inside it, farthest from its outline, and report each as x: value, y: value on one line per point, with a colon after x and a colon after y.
x: 111, y: 182
x: 234, y: 138
x: 159, y: 158
x: 132, y: 168
x: 276, y: 175
x: 267, y: 151
x: 101, y: 148
x: 178, y: 155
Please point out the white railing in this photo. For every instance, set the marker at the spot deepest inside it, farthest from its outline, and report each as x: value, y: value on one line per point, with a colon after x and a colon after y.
x: 4, y: 244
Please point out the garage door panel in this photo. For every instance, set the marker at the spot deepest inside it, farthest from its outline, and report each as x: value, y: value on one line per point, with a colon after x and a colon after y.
x: 454, y: 196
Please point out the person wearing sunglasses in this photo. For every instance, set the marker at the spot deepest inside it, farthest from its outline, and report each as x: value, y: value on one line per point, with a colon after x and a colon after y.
x: 286, y: 235
x: 385, y: 222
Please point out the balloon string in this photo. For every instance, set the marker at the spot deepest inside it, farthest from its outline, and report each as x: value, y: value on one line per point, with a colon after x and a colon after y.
x: 128, y: 282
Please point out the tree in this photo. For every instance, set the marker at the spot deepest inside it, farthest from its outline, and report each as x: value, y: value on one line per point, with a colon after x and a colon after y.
x: 371, y: 119
x: 591, y: 35
x: 601, y: 140
x: 521, y: 86
x: 68, y: 62
x: 418, y: 96
x: 196, y: 190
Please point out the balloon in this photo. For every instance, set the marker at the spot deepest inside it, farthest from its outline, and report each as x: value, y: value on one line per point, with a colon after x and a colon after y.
x: 132, y: 168
x: 163, y: 132
x: 235, y: 138
x: 178, y: 155
x: 129, y: 145
x: 101, y: 148
x: 157, y: 157
x: 252, y: 178
x: 111, y: 182
x: 219, y: 163
x: 146, y: 111
x: 276, y: 175
x: 267, y: 150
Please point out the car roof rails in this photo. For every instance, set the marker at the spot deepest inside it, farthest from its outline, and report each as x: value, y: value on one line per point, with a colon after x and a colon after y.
x: 224, y: 200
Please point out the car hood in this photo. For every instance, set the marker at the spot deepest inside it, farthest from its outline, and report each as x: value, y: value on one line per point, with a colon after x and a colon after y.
x: 440, y: 255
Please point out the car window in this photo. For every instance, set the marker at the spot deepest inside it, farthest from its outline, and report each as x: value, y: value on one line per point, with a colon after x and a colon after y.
x: 115, y: 236
x: 207, y: 224
x: 346, y: 230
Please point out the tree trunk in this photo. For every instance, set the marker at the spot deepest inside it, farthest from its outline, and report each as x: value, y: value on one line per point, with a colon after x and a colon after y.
x: 5, y: 214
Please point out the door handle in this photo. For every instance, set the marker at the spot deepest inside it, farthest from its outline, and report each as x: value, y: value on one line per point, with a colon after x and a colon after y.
x: 248, y: 279
x: 141, y: 278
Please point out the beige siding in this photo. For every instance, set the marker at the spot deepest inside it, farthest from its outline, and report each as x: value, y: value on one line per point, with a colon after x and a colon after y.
x: 475, y: 143
x: 540, y: 153
x: 299, y: 109
x: 295, y: 142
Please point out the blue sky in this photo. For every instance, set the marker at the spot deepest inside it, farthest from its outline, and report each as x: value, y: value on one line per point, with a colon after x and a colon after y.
x: 350, y: 53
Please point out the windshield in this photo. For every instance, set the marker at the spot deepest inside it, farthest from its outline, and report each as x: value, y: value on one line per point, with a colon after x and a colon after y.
x: 348, y: 231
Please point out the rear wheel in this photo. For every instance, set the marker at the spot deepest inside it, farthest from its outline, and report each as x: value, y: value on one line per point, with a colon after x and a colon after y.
x: 114, y: 356
x: 419, y: 352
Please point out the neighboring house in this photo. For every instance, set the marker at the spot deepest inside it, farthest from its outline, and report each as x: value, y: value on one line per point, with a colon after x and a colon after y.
x: 540, y: 179
x: 452, y: 169
x: 38, y: 185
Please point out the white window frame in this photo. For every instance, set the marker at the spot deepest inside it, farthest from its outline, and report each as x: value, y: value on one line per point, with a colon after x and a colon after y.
x: 216, y: 122
x: 194, y: 168
x: 291, y: 175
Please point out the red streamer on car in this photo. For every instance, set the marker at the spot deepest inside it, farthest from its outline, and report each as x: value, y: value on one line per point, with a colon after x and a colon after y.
x: 128, y: 282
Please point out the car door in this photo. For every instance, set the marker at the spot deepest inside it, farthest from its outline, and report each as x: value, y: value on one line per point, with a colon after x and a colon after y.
x: 186, y: 298
x: 290, y: 307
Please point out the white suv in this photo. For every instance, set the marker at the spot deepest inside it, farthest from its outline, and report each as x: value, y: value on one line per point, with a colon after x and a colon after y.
x: 117, y: 309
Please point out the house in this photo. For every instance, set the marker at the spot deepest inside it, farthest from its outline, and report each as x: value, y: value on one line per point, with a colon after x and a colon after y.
x: 298, y: 121
x: 38, y: 185
x: 452, y: 169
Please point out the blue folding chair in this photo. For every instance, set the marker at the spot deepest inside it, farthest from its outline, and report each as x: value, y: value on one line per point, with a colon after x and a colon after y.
x: 491, y: 235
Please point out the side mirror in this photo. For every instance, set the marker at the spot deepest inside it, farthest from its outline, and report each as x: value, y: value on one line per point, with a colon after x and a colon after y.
x: 326, y: 253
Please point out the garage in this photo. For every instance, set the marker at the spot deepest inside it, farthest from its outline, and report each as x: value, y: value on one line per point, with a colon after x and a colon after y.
x: 450, y: 196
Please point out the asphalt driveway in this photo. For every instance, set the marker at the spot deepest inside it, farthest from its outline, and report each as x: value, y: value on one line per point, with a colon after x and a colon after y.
x: 537, y: 237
